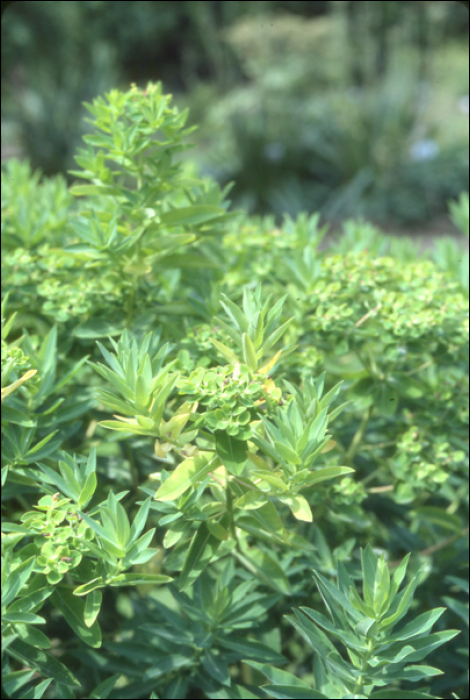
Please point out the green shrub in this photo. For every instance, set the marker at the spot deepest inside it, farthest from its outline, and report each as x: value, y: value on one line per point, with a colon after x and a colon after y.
x: 177, y: 475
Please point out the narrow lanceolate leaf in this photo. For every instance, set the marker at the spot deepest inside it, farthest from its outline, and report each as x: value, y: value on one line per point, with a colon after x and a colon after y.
x: 140, y: 519
x: 287, y: 453
x: 138, y: 579
x: 235, y: 314
x: 9, y: 389
x: 202, y: 549
x: 46, y: 664
x: 159, y: 401
x: 274, y: 337
x: 419, y: 626
x: 324, y: 474
x: 92, y: 607
x: 275, y: 480
x: 400, y: 695
x: 292, y: 692
x: 189, y: 473
x: 266, y: 568
x: 369, y: 568
x: 13, y: 584
x: 224, y: 351
x: 270, y: 364
x: 249, y: 352
x: 277, y: 676
x: 402, y: 603
x: 125, y: 426
x: 123, y: 530
x: 73, y: 609
x: 191, y: 216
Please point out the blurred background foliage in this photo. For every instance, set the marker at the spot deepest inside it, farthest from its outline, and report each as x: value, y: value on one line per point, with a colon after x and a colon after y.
x: 345, y: 108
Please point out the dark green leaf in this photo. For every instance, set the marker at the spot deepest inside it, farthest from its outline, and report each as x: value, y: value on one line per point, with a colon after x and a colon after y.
x: 231, y: 452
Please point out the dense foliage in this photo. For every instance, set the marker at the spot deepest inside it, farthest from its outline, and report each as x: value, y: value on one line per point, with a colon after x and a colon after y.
x: 224, y: 451
x: 344, y: 108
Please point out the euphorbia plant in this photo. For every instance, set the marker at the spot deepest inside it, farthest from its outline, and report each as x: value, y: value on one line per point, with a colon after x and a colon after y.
x: 224, y: 430
x: 132, y: 224
x: 228, y: 406
x: 378, y: 656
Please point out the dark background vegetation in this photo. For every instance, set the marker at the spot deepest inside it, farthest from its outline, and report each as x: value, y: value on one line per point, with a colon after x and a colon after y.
x: 347, y: 108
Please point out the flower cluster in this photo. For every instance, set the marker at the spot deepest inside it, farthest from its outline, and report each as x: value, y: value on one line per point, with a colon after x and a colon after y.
x: 232, y: 396
x: 61, y: 546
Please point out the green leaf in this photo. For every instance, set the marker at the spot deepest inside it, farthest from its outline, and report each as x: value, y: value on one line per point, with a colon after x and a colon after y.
x: 335, y: 597
x: 232, y: 453
x: 189, y: 473
x: 216, y: 667
x: 138, y: 579
x: 237, y: 316
x: 48, y: 666
x: 123, y: 530
x: 270, y: 478
x: 92, y: 585
x: 264, y: 521
x: 30, y: 634
x: 249, y: 352
x: 224, y: 351
x: 317, y: 430
x: 266, y: 447
x: 217, y: 530
x: 37, y: 450
x: 92, y: 607
x: 440, y: 517
x: 398, y: 577
x: 159, y: 400
x: 274, y: 337
x: 140, y: 519
x: 203, y: 547
x: 73, y: 609
x: 103, y: 689
x: 276, y: 675
x: 270, y: 364
x: 418, y: 649
x: 292, y: 692
x: 252, y: 650
x: 98, y: 328
x: 125, y: 427
x: 369, y: 567
x: 267, y: 569
x: 119, y: 384
x: 287, y: 453
x: 79, y: 190
x: 299, y: 507
x: 351, y: 640
x: 314, y: 636
x: 386, y: 400
x: 106, y: 534
x: 88, y: 490
x: 13, y: 616
x: 324, y: 474
x: 402, y: 604
x: 335, y: 413
x: 381, y: 596
x: 191, y: 216
x: 251, y: 500
x: 139, y: 552
x: 415, y: 673
x: 11, y: 585
x: 400, y: 695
